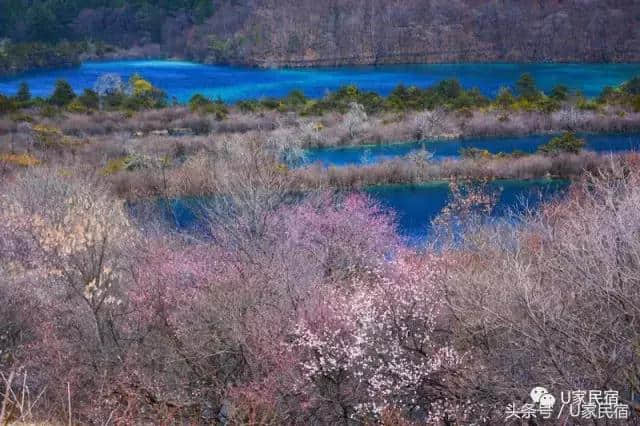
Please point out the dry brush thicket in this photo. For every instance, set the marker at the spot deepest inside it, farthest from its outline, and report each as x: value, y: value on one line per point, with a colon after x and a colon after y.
x: 296, y: 309
x: 159, y: 163
x: 352, y: 127
x: 296, y: 303
x: 555, y: 301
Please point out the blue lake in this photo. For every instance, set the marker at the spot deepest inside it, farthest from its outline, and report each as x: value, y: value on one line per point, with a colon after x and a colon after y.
x: 183, y: 79
x: 371, y: 154
x: 414, y: 206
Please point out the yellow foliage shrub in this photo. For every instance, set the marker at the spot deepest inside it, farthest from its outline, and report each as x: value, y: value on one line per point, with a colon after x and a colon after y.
x: 114, y: 166
x: 23, y: 160
x: 141, y: 87
x: 77, y: 107
x: 49, y: 137
x: 282, y: 168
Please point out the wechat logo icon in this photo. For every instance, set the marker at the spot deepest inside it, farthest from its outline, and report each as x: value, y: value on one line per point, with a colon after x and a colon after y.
x: 541, y: 396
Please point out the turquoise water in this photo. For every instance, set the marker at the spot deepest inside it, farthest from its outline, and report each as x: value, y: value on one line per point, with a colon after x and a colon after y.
x: 414, y: 206
x: 371, y: 154
x: 183, y: 79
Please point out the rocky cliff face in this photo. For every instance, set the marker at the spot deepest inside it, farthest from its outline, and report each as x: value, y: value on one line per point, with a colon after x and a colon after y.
x: 334, y: 32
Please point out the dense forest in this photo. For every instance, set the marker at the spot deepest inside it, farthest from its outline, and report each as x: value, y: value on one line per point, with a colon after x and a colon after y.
x: 60, y: 33
x: 326, y: 32
x: 56, y: 20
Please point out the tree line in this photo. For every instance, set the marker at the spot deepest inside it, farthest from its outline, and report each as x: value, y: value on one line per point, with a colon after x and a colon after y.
x: 54, y: 20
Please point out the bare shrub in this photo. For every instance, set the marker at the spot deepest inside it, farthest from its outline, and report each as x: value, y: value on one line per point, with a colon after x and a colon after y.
x: 73, y: 265
x: 221, y: 310
x: 7, y: 125
x: 495, y: 123
x: 249, y: 183
x: 568, y: 118
x: 242, y: 123
x: 355, y: 119
x: 286, y: 144
x: 555, y: 303
x: 312, y: 134
x: 429, y: 124
x: 419, y: 169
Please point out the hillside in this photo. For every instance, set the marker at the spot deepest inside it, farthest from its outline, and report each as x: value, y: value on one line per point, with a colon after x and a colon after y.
x: 331, y: 32
x: 335, y: 32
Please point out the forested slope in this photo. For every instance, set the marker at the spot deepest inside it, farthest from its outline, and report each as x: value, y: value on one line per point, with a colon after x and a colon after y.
x: 331, y: 32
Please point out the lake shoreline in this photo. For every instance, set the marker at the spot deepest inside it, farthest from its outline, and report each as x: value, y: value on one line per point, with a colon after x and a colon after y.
x: 413, y: 206
x: 449, y: 147
x: 234, y: 81
x: 142, y: 145
x: 196, y: 179
x: 154, y: 53
x: 482, y: 123
x: 128, y: 152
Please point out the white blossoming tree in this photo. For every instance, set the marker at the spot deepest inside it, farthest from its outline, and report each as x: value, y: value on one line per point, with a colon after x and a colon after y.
x: 355, y: 119
x: 84, y: 250
x: 430, y: 124
x: 374, y: 347
x: 77, y: 250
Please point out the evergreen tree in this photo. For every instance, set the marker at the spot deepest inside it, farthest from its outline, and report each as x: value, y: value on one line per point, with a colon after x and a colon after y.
x: 53, y: 20
x: 202, y: 10
x: 6, y: 105
x: 560, y: 93
x: 63, y: 94
x: 505, y: 98
x: 567, y: 143
x: 42, y: 23
x: 632, y: 86
x: 526, y: 86
x: 90, y: 99
x: 24, y: 94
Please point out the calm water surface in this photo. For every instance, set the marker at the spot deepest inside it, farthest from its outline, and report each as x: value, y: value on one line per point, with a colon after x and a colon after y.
x: 414, y: 206
x: 371, y: 154
x: 183, y: 79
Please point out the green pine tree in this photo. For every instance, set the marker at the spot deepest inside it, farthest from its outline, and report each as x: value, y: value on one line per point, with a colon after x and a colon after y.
x: 24, y: 94
x: 63, y: 94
